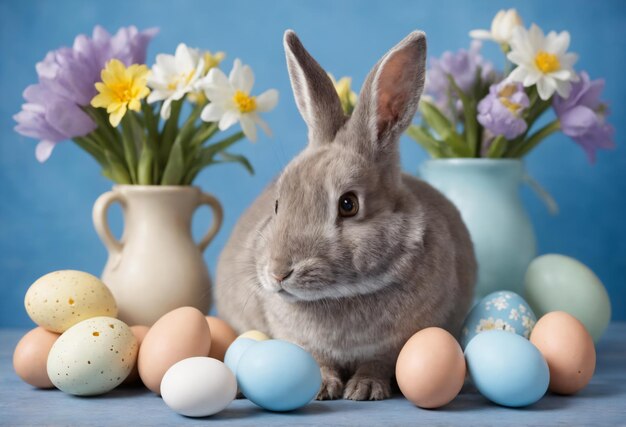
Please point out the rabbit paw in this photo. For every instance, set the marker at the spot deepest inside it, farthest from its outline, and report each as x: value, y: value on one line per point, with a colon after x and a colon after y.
x: 367, y: 388
x: 332, y: 385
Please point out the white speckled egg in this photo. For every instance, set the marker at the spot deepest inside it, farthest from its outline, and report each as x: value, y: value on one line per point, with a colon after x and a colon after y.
x: 92, y: 357
x: 63, y: 298
x: 501, y: 310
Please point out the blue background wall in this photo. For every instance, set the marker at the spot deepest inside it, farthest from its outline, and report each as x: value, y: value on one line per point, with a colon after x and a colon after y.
x: 45, y: 210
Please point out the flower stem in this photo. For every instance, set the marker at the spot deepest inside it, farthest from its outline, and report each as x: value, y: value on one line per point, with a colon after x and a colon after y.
x: 497, y: 147
x: 536, y: 138
x: 130, y: 148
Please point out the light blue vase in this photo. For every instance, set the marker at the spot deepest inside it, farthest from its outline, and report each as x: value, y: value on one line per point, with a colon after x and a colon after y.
x: 486, y: 191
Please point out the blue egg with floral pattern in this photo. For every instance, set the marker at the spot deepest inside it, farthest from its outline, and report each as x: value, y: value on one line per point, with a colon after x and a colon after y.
x: 501, y: 310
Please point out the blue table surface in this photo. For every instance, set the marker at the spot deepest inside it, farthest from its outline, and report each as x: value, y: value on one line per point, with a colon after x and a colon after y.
x: 603, y: 402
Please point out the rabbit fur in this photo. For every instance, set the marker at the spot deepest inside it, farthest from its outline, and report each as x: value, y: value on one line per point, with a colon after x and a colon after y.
x: 351, y: 290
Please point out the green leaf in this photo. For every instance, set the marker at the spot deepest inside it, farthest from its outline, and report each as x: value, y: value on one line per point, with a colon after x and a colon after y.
x: 237, y: 158
x: 421, y: 135
x: 497, y: 147
x: 116, y: 170
x: 536, y: 138
x: 145, y: 168
x: 440, y: 124
x: 470, y: 116
x: 90, y: 146
x: 130, y: 147
x: 211, y: 150
x: 175, y: 168
x: 170, y: 130
x: 204, y: 132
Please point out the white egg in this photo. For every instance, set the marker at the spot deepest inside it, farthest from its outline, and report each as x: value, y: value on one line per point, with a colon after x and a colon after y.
x: 92, y: 357
x: 63, y: 298
x: 198, y: 387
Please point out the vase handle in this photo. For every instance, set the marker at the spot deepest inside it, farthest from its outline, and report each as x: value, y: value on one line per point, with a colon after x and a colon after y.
x: 101, y: 222
x: 542, y: 193
x: 218, y: 215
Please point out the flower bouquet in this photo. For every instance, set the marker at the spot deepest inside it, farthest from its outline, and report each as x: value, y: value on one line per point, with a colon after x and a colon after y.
x: 100, y: 94
x: 470, y: 109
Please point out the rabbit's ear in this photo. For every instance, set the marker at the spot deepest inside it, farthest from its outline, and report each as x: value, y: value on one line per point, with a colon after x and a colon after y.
x: 315, y: 94
x: 390, y: 96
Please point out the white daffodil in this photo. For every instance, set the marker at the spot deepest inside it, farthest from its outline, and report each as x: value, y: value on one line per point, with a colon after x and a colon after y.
x: 174, y: 75
x: 542, y: 60
x: 501, y: 27
x: 231, y: 102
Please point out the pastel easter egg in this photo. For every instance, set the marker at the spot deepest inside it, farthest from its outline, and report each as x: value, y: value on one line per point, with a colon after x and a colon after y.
x: 501, y: 310
x: 198, y: 387
x: 560, y: 283
x: 568, y: 348
x: 92, y: 357
x: 30, y: 357
x: 222, y: 336
x: 430, y: 369
x: 278, y: 375
x: 235, y: 351
x: 63, y: 298
x: 255, y: 335
x: 177, y: 335
x: 507, y: 368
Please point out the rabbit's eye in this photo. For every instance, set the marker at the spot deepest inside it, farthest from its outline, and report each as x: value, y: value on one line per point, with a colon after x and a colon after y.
x: 276, y: 207
x: 348, y: 205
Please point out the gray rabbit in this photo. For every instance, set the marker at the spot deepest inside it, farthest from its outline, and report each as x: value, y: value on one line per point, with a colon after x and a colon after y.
x: 344, y: 254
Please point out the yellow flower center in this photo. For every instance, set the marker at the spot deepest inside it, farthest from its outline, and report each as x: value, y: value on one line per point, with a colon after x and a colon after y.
x: 245, y: 102
x: 547, y: 62
x: 511, y: 106
x: 182, y: 77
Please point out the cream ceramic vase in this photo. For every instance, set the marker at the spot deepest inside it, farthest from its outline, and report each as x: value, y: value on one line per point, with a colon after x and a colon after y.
x: 156, y: 266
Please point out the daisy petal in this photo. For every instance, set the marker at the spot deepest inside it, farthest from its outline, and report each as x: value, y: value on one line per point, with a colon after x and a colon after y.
x: 481, y: 34
x: 248, y: 127
x: 212, y: 113
x: 545, y: 89
x: 228, y: 119
x: 267, y: 100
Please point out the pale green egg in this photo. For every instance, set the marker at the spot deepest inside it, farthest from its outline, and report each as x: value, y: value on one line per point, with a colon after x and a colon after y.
x: 559, y: 283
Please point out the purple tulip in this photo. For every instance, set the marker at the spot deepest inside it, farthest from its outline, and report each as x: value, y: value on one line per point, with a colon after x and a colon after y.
x: 582, y: 116
x: 501, y: 110
x: 67, y: 76
x: 462, y: 66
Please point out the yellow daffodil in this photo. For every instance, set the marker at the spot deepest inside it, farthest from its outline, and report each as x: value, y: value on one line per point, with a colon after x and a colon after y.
x: 347, y: 97
x: 122, y: 88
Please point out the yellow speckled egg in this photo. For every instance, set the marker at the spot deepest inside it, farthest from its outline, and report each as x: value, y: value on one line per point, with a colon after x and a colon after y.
x: 92, y: 357
x: 63, y: 298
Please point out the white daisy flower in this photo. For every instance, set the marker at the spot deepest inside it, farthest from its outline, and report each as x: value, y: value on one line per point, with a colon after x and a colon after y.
x: 501, y: 27
x: 528, y: 322
x: 231, y: 101
x: 173, y: 76
x: 500, y: 303
x: 542, y: 60
x: 514, y: 314
x: 522, y: 308
x: 485, y: 325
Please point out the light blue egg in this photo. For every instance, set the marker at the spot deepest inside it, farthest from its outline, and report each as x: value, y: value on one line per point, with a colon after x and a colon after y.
x: 235, y: 351
x: 278, y: 375
x: 501, y: 310
x: 506, y: 368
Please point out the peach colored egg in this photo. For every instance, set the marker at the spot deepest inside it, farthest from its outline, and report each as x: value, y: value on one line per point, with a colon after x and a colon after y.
x: 31, y: 356
x: 139, y: 331
x: 431, y: 368
x: 222, y: 336
x: 177, y: 335
x: 568, y: 348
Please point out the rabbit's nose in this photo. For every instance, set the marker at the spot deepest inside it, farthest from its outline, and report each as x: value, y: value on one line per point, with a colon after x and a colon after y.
x: 281, y: 275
